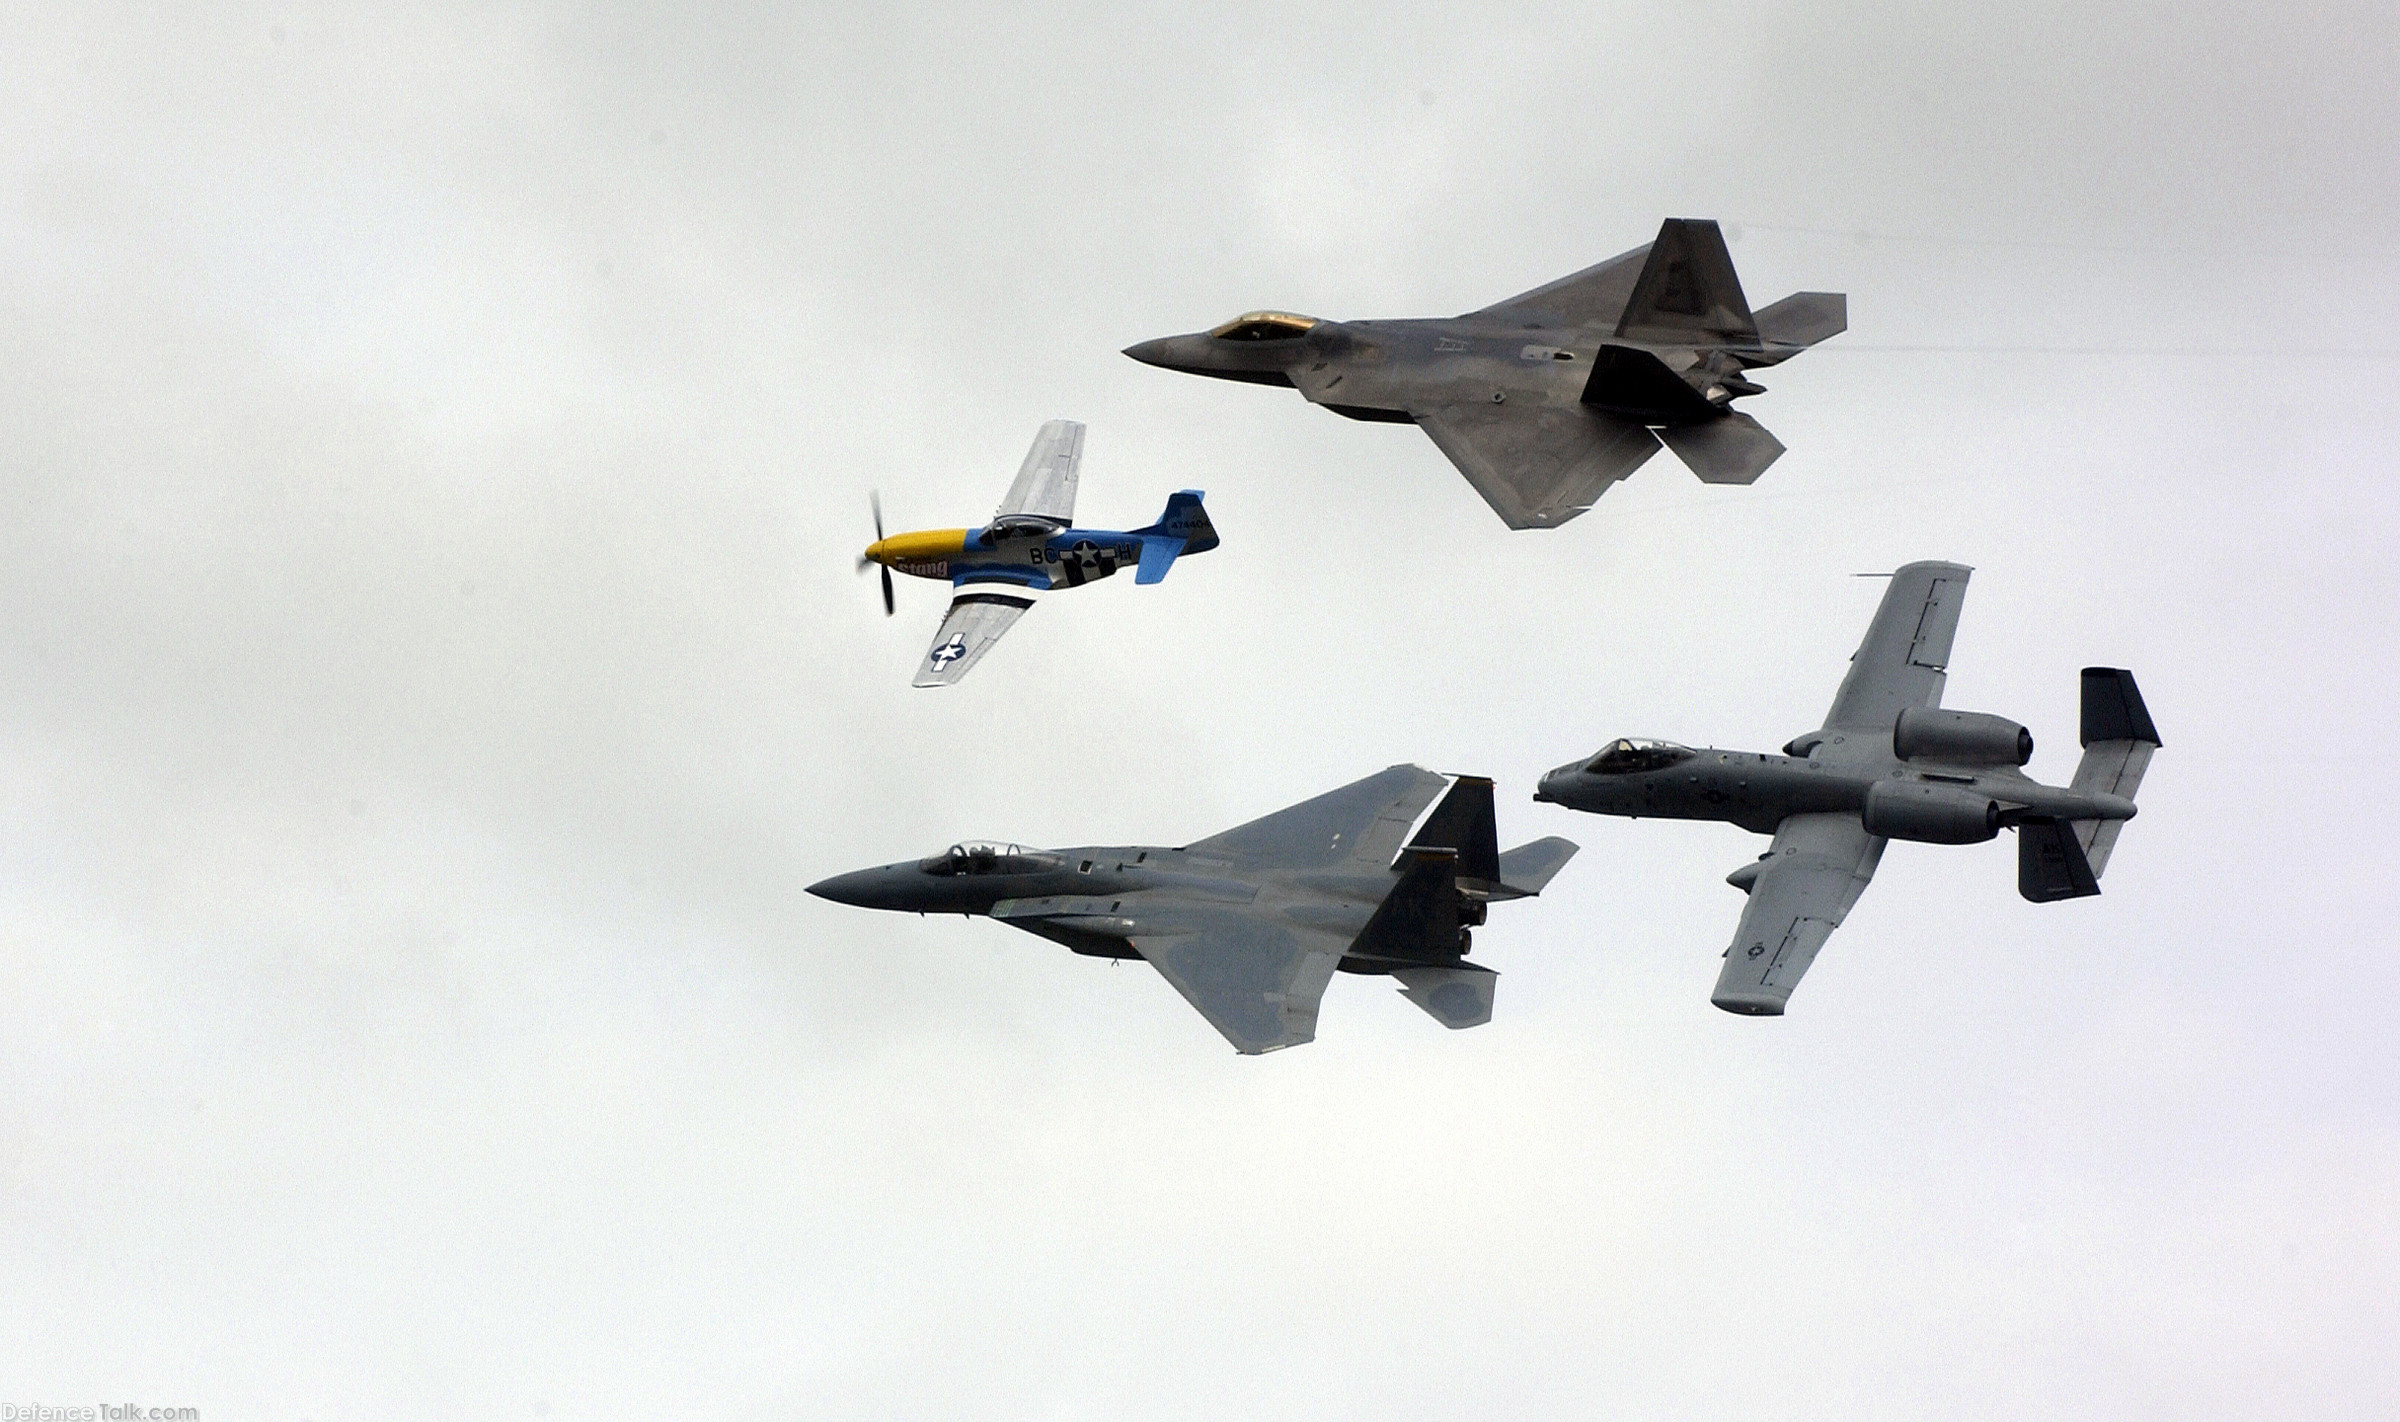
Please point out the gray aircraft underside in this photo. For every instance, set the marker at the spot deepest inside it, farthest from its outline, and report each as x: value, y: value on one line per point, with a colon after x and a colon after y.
x: 1546, y: 399
x: 1887, y: 764
x: 1385, y: 875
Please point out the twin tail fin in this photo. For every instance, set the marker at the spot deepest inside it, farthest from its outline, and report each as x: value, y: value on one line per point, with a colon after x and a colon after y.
x: 2063, y: 859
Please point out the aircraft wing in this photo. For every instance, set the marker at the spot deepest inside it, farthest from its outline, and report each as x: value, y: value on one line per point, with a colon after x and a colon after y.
x: 979, y: 613
x: 1045, y: 486
x: 1364, y: 822
x: 1256, y: 980
x: 1814, y: 872
x: 1595, y: 296
x: 1901, y: 662
x: 1537, y: 468
x: 1680, y: 289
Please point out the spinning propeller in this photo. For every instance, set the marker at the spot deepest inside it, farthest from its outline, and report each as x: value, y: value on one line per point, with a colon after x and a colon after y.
x: 875, y: 502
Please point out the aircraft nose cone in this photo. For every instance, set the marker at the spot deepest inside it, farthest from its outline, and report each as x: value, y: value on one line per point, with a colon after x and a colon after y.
x: 1160, y: 352
x: 1554, y: 785
x: 867, y: 888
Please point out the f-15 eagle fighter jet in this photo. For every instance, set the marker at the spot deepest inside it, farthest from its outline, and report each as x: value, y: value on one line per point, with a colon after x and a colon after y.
x: 1546, y: 399
x: 1385, y: 875
x: 997, y: 570
x: 1888, y: 764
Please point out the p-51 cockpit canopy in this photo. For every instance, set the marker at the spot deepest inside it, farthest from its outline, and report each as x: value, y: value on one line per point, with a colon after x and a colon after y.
x: 1265, y: 326
x: 1628, y: 756
x: 983, y: 856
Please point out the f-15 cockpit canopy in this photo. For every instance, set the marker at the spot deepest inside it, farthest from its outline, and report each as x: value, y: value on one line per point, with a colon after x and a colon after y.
x: 1265, y: 326
x: 1628, y: 756
x: 983, y: 856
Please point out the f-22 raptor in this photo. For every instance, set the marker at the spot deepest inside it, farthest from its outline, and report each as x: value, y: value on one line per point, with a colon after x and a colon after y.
x: 1387, y: 875
x: 1547, y: 398
x: 1888, y: 764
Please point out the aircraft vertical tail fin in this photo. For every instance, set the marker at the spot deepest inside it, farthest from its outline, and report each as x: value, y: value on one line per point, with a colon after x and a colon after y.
x: 1417, y: 922
x: 2118, y: 741
x: 1183, y: 528
x: 1687, y: 290
x: 1461, y: 822
x: 2051, y: 864
x: 1418, y: 934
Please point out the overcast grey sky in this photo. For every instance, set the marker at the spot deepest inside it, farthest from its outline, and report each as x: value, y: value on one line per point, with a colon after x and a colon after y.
x: 434, y: 446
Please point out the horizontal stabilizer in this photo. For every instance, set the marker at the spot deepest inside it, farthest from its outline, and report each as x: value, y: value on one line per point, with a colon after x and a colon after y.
x: 2051, y: 864
x: 1731, y: 449
x: 1804, y: 318
x: 1158, y: 555
x: 1456, y: 997
x: 1687, y: 291
x: 1528, y: 869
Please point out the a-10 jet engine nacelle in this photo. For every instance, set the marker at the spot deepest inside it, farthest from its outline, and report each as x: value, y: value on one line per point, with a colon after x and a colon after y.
x: 1960, y: 738
x: 1930, y: 814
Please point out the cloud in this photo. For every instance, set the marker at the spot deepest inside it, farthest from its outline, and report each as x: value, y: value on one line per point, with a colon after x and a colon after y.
x: 432, y: 667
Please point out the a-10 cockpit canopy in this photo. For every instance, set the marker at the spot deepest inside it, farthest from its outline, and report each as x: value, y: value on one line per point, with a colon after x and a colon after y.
x: 1265, y: 326
x: 983, y: 856
x: 1627, y: 756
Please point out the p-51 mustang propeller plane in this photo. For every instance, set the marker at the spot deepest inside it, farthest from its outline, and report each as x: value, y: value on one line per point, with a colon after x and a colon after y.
x: 1028, y: 548
x: 1888, y: 764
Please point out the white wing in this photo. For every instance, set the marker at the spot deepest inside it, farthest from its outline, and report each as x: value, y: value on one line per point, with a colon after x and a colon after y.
x: 979, y: 613
x: 1815, y: 871
x: 1901, y: 661
x: 1256, y: 981
x: 1045, y: 486
x: 1595, y: 296
x: 1537, y: 468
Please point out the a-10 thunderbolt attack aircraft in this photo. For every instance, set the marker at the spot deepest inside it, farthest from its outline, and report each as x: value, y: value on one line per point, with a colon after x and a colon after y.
x: 1028, y: 548
x: 1386, y: 875
x: 1546, y: 399
x: 1886, y: 765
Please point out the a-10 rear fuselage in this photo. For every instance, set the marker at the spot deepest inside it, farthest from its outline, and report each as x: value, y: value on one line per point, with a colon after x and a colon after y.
x: 1759, y: 791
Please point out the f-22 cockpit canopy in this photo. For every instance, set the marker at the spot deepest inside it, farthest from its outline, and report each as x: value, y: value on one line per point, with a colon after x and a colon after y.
x: 1628, y: 756
x: 983, y: 856
x: 1265, y: 326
